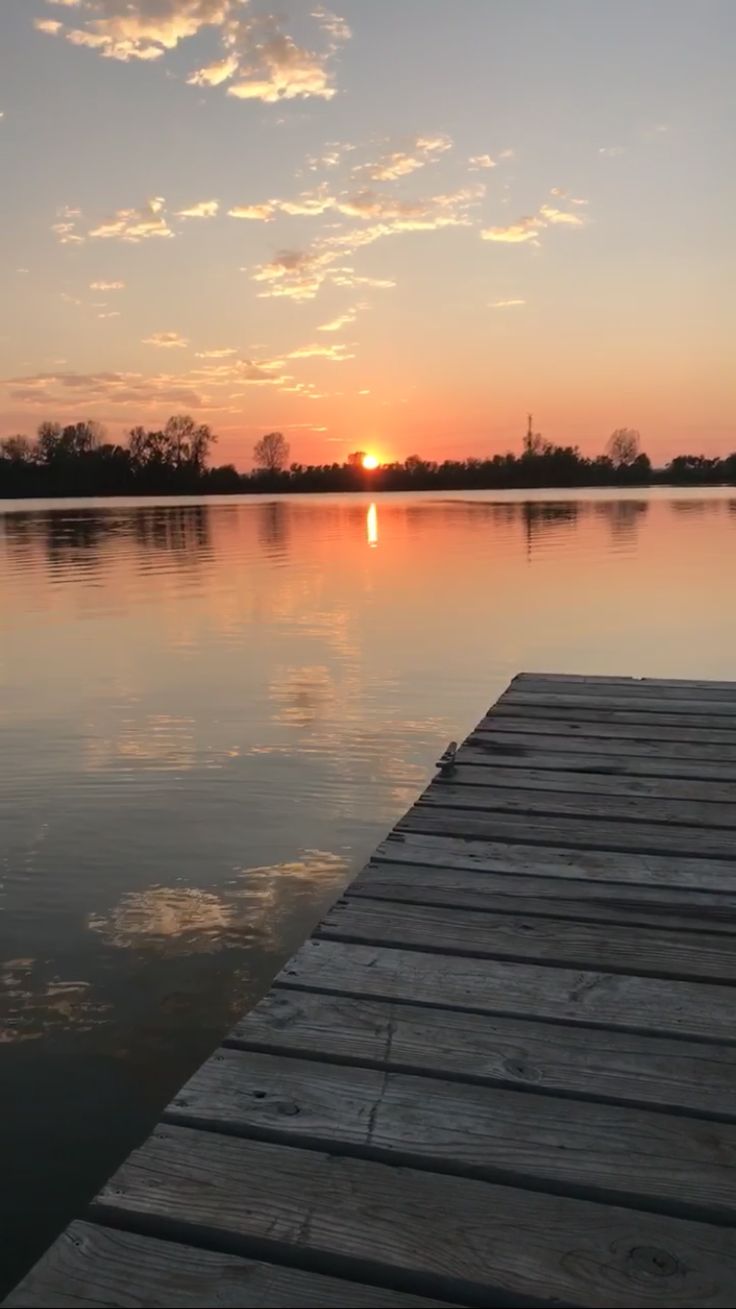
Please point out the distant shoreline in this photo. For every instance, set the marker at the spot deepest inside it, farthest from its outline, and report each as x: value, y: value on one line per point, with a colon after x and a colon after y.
x: 202, y: 493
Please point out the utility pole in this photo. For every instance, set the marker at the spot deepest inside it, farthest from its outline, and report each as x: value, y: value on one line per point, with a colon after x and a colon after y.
x: 529, y: 438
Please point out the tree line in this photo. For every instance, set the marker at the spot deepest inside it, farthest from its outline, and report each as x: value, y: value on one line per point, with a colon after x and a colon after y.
x: 77, y: 459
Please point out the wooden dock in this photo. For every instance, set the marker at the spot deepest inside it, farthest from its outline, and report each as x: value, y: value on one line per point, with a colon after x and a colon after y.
x: 502, y: 1071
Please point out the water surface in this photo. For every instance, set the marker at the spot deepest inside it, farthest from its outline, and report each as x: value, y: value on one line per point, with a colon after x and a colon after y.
x: 212, y: 711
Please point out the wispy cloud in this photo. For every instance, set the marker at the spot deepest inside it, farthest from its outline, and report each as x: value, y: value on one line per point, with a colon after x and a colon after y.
x: 51, y: 26
x: 61, y: 391
x: 524, y: 229
x: 506, y: 304
x: 337, y: 353
x: 421, y: 151
x: 331, y: 156
x: 166, y: 340
x: 259, y: 60
x: 257, y: 213
x: 216, y: 354
x: 300, y: 274
x: 480, y: 161
x: 203, y: 209
x: 562, y: 194
x: 551, y: 215
x: 107, y: 286
x: 335, y: 26
x: 342, y: 320
x: 527, y: 230
x: 611, y: 151
x: 215, y: 74
x: 111, y: 313
x: 134, y: 225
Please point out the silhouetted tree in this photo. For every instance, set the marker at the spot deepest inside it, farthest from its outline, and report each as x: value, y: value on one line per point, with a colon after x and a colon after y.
x: 17, y: 449
x: 271, y: 453
x: 623, y: 446
x: 57, y: 443
x: 355, y: 460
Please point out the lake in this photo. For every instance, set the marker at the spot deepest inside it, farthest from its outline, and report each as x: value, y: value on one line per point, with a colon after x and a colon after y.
x: 212, y: 711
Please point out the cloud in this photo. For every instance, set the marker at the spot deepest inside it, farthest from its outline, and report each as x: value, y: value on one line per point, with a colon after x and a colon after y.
x: 300, y: 274
x: 335, y: 26
x: 291, y: 72
x: 112, y: 313
x: 166, y: 340
x: 258, y: 213
x: 311, y: 203
x: 562, y: 194
x: 107, y: 286
x: 215, y: 74
x: 67, y: 233
x: 398, y: 163
x: 216, y: 354
x: 527, y: 230
x: 481, y: 161
x: 332, y: 155
x: 61, y: 391
x: 135, y: 225
x: 506, y: 304
x: 337, y: 324
x: 294, y: 274
x: 612, y: 150
x: 524, y: 229
x: 335, y: 353
x: 551, y: 215
x: 138, y: 29
x: 268, y: 63
x: 203, y: 209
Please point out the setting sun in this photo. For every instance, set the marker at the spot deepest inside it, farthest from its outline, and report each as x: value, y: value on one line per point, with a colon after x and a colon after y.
x: 370, y: 462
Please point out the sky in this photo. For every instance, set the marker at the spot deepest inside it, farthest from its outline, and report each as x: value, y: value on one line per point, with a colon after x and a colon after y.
x: 397, y: 226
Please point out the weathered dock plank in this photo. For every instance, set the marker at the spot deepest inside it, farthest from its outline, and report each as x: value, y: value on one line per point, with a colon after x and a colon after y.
x: 458, y: 1236
x: 569, y: 943
x: 493, y: 986
x: 503, y: 1069
x: 584, y: 1062
x: 600, y: 1151
x: 91, y: 1266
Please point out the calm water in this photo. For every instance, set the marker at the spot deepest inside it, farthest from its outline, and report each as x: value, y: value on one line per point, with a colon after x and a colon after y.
x: 211, y: 712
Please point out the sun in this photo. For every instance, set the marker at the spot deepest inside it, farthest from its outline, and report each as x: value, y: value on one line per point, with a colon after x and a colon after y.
x: 370, y: 462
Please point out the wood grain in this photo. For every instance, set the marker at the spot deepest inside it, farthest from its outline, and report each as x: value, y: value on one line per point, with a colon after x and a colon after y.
x: 578, y: 803
x: 567, y: 1060
x: 577, y: 833
x: 463, y: 1240
x: 644, y: 688
x: 717, y: 876
x: 643, y: 951
x: 713, y: 729
x: 95, y: 1267
x: 723, y: 710
x: 606, y: 784
x: 508, y: 753
x: 599, y: 1150
x: 455, y: 888
x: 492, y: 986
x: 603, y: 680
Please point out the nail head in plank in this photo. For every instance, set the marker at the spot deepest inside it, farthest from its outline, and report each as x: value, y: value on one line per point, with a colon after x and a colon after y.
x: 577, y: 1061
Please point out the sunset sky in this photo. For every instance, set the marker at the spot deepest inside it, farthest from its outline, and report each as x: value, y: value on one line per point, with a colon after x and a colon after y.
x: 398, y: 225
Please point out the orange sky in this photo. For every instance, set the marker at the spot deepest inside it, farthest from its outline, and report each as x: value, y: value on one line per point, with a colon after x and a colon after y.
x: 210, y: 209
